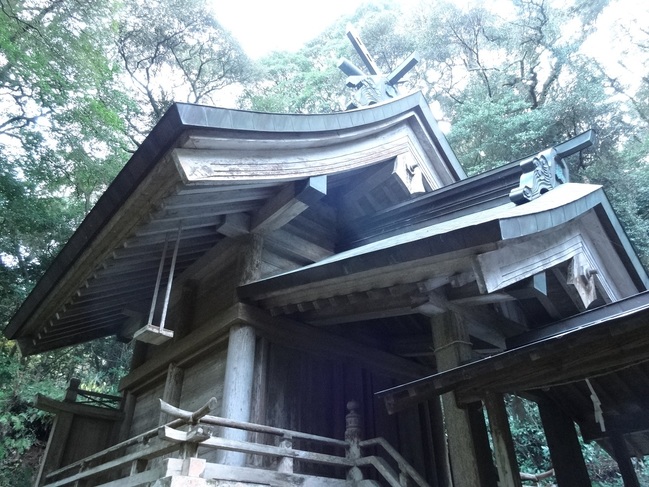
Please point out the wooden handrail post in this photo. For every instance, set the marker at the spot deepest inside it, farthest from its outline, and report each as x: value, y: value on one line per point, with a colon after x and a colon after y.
x: 285, y: 463
x: 72, y: 390
x: 353, y: 438
x: 404, y: 478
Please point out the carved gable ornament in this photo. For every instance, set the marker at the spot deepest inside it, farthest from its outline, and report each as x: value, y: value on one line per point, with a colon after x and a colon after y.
x: 547, y: 169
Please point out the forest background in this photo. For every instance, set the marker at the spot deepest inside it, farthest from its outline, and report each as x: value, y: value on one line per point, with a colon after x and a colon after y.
x: 83, y: 82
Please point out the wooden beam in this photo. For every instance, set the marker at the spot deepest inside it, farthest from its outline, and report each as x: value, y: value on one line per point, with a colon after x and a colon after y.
x: 286, y: 243
x: 615, y: 424
x: 501, y: 434
x: 234, y: 225
x: 292, y: 200
x: 535, y: 287
x: 237, y: 388
x: 623, y: 460
x: 516, y: 261
x: 565, y: 450
x: 483, y: 324
x: 305, y: 337
x: 51, y: 406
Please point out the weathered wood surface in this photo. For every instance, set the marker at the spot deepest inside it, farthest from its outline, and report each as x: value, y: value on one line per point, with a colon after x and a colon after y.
x: 220, y: 443
x: 452, y: 348
x: 307, y: 338
x: 243, y: 474
x: 144, y: 418
x: 301, y: 162
x: 501, y: 434
x: 623, y: 459
x: 292, y: 200
x: 204, y: 380
x: 139, y: 440
x: 53, y: 406
x: 565, y: 450
x: 238, y: 386
x: 149, y: 452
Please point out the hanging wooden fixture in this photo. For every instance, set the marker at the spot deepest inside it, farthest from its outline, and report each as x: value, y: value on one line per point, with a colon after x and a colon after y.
x: 151, y: 333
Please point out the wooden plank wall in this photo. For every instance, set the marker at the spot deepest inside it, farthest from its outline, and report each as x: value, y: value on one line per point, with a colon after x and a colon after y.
x: 147, y: 409
x: 80, y: 444
x: 204, y: 380
x: 309, y: 393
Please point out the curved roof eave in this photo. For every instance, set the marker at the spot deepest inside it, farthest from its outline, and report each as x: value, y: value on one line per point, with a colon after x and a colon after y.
x: 168, y: 133
x: 509, y: 221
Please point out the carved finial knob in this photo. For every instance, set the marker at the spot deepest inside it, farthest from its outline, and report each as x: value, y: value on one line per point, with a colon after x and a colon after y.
x: 352, y: 422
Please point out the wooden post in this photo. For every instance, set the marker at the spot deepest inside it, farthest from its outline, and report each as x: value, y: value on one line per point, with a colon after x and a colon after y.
x: 172, y: 390
x: 240, y: 362
x: 452, y: 348
x: 353, y: 437
x: 72, y: 390
x: 565, y: 450
x: 237, y: 387
x: 128, y: 407
x: 501, y: 434
x: 286, y: 463
x: 440, y: 447
x: 623, y: 460
x: 486, y: 468
x: 56, y: 445
x: 258, y: 412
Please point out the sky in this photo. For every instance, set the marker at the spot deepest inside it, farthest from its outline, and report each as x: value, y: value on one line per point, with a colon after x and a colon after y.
x: 263, y: 26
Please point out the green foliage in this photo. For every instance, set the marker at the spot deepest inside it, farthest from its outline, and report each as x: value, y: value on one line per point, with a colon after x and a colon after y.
x: 290, y: 83
x: 534, y: 457
x: 81, y: 83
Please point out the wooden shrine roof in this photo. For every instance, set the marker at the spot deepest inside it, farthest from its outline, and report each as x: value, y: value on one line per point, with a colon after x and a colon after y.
x: 198, y: 166
x: 478, y: 229
x: 609, y: 346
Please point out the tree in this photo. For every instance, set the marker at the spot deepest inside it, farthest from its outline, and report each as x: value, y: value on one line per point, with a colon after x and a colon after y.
x: 174, y: 50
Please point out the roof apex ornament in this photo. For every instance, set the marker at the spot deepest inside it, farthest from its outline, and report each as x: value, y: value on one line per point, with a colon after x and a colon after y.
x: 547, y: 170
x: 375, y: 87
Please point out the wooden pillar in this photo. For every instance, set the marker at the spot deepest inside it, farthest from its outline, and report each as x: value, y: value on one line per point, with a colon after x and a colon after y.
x: 565, y: 450
x: 237, y: 387
x: 240, y: 362
x: 440, y: 447
x: 623, y: 460
x: 452, y: 348
x: 56, y: 445
x: 486, y: 468
x: 172, y: 390
x: 506, y: 463
x: 129, y: 401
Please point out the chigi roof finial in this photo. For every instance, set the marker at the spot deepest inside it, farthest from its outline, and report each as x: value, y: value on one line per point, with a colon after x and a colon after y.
x: 373, y: 87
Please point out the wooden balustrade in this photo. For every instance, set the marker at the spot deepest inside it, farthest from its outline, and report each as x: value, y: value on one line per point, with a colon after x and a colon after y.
x: 198, y: 430
x: 83, y: 396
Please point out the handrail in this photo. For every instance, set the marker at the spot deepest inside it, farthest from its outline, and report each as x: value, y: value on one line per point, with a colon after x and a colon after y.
x: 141, y: 438
x: 252, y: 427
x: 184, y: 441
x: 404, y: 466
x: 97, y: 399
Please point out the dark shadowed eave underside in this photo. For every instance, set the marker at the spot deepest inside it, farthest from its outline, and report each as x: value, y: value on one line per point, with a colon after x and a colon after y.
x: 608, y: 346
x: 170, y: 133
x: 494, y: 373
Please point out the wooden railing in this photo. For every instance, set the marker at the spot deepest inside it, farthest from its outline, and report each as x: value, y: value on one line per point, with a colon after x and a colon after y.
x: 82, y: 396
x: 116, y: 466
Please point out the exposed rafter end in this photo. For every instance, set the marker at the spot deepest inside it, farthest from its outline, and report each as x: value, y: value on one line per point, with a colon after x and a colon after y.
x: 292, y: 200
